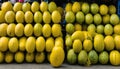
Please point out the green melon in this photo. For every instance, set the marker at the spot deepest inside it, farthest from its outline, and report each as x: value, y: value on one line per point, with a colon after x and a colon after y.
x: 69, y: 17
x: 85, y: 7
x: 94, y: 8
x: 71, y: 57
x: 108, y: 29
x: 70, y: 28
x: 89, y: 18
x: 103, y: 57
x: 97, y: 19
x: 93, y: 56
x: 80, y: 17
x: 82, y: 57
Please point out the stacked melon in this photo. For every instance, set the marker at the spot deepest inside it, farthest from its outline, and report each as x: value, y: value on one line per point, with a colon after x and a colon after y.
x: 29, y: 30
x: 92, y: 33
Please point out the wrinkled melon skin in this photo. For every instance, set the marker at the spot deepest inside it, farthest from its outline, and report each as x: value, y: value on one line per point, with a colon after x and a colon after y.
x: 82, y: 57
x: 93, y: 57
x: 99, y: 43
x: 30, y: 44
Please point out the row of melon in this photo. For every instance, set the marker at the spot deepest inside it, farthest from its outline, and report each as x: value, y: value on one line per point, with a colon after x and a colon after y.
x: 85, y: 13
x: 96, y: 19
x: 107, y: 29
x: 20, y: 30
x: 28, y: 17
x: 36, y: 48
x: 83, y: 40
x: 30, y: 44
x: 34, y: 7
x: 11, y: 14
x: 81, y: 44
x: 93, y: 8
x: 20, y: 57
x: 92, y: 57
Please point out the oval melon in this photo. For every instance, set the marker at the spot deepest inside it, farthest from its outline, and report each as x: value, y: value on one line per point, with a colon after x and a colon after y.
x: 19, y: 30
x: 3, y: 29
x: 114, y: 57
x: 11, y: 30
x: 4, y: 44
x: 80, y: 17
x: 93, y: 57
x: 13, y: 44
x: 99, y: 43
x: 28, y: 17
x: 28, y: 30
x: 40, y: 44
x: 109, y: 43
x: 82, y: 57
x: 71, y: 57
x: 37, y: 29
x: 56, y: 54
x: 104, y: 57
x: 30, y: 44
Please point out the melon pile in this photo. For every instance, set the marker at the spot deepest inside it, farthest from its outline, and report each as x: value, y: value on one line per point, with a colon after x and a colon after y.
x: 31, y: 33
x: 92, y: 34
x: 35, y: 33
